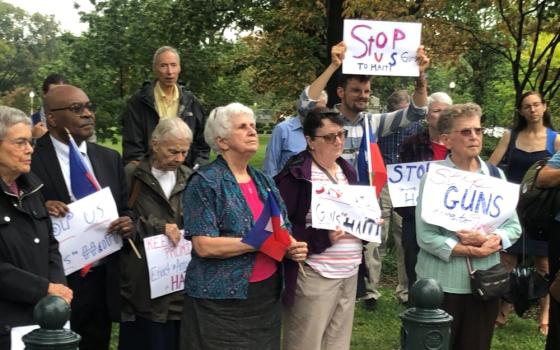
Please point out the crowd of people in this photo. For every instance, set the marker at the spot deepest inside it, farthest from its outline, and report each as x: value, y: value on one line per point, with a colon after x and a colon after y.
x: 237, y: 295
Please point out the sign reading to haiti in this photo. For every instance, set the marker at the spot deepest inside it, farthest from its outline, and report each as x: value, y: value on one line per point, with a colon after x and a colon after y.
x: 456, y: 199
x: 381, y: 48
x: 404, y: 182
x: 352, y: 208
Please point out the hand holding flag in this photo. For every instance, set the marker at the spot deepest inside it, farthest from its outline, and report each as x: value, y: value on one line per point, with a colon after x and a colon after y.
x: 268, y: 235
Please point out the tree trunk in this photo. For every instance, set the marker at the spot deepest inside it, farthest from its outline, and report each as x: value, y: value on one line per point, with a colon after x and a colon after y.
x: 334, y: 36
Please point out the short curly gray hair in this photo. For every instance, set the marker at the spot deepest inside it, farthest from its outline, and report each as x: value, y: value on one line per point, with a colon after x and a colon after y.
x: 174, y: 127
x: 448, y: 117
x: 9, y: 117
x: 219, y: 123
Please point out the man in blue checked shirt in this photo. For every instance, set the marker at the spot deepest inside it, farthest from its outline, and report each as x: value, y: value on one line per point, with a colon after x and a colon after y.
x: 354, y: 92
x: 287, y: 139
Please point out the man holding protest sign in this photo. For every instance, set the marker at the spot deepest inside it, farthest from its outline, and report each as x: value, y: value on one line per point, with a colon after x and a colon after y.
x: 464, y: 214
x: 354, y: 92
x: 96, y: 289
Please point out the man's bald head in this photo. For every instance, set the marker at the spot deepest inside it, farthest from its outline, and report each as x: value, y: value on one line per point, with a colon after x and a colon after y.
x: 68, y: 107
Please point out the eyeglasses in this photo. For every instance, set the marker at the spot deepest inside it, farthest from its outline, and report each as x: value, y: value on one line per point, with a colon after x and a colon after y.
x: 21, y: 143
x: 469, y: 131
x: 78, y: 108
x: 533, y: 105
x: 331, y: 138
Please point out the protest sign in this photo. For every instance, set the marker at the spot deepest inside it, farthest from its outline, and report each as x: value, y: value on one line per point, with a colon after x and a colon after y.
x: 166, y: 264
x: 353, y: 208
x: 456, y: 199
x: 82, y: 233
x: 404, y: 182
x: 381, y: 48
x: 17, y: 334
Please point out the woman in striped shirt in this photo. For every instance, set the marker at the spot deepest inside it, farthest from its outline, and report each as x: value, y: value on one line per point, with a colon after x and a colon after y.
x: 319, y: 298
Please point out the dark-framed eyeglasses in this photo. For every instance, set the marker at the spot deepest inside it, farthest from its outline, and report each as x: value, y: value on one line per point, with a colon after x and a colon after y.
x: 331, y: 138
x: 78, y: 108
x: 468, y: 131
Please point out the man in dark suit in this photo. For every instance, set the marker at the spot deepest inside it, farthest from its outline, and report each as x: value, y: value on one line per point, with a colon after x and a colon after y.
x: 96, y: 293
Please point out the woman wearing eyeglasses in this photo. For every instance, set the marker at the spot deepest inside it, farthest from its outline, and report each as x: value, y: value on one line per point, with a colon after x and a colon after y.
x: 442, y: 252
x: 319, y: 300
x: 30, y: 263
x: 531, y: 139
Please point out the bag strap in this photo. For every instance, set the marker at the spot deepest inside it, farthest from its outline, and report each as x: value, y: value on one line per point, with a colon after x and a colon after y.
x: 134, y: 193
x: 469, y: 265
x: 494, y: 171
x: 550, y: 140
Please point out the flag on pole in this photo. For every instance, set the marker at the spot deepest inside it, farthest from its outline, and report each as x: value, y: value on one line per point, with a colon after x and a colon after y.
x: 82, y: 181
x: 371, y: 168
x: 268, y: 235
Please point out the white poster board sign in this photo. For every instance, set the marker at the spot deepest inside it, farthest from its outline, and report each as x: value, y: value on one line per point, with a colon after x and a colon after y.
x: 381, y: 48
x: 167, y: 264
x: 404, y: 182
x: 17, y: 334
x: 353, y: 208
x: 82, y: 233
x: 456, y: 199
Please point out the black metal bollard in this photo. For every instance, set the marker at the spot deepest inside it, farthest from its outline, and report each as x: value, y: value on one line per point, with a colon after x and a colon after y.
x: 424, y: 326
x: 51, y: 313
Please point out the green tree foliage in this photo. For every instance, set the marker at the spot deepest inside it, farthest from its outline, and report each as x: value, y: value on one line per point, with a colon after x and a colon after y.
x: 26, y: 43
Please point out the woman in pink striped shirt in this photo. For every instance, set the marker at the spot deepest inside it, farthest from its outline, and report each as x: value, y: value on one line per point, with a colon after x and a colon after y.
x: 319, y: 299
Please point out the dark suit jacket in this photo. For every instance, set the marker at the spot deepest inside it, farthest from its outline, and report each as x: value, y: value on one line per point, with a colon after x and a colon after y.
x: 108, y: 168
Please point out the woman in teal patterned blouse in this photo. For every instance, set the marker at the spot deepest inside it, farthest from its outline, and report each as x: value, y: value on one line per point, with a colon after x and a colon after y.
x: 232, y: 291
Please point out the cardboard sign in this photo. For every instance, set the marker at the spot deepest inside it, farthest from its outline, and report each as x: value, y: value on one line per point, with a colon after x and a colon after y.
x: 353, y: 208
x: 404, y: 182
x: 167, y: 264
x: 82, y: 233
x: 456, y: 199
x: 381, y: 48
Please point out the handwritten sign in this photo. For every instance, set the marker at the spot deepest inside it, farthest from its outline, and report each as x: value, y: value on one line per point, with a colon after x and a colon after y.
x: 167, y: 264
x: 353, y: 208
x: 82, y: 233
x: 456, y: 199
x: 381, y: 48
x: 404, y: 182
x: 17, y: 333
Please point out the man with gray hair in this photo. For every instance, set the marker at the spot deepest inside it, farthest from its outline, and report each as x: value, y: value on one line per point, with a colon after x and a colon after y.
x: 160, y: 99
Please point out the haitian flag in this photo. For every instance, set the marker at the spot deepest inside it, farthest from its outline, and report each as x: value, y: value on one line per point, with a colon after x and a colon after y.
x: 82, y: 180
x: 268, y: 235
x: 371, y: 170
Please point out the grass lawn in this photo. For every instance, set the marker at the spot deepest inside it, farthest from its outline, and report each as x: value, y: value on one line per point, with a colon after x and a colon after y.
x: 380, y: 329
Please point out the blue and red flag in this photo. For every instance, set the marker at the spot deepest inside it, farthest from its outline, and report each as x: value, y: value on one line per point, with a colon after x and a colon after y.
x: 268, y: 235
x: 82, y: 181
x: 371, y: 169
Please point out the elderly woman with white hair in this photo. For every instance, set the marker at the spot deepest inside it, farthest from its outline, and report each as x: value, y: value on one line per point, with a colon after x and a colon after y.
x: 232, y: 290
x: 30, y: 263
x: 156, y: 187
